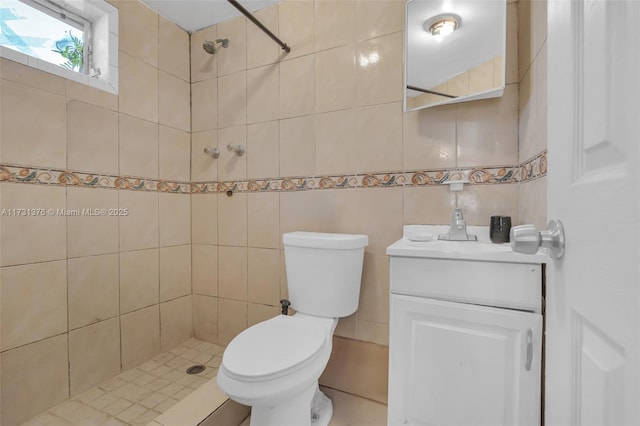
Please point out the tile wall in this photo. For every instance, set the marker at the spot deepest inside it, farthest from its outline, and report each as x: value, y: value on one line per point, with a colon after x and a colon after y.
x: 318, y: 112
x: 85, y: 297
x: 532, y: 130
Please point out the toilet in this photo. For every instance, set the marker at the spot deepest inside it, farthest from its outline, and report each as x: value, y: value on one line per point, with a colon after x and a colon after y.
x: 274, y: 366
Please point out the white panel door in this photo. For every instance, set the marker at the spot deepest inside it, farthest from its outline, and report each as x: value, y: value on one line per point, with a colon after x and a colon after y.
x: 460, y: 364
x: 593, y: 302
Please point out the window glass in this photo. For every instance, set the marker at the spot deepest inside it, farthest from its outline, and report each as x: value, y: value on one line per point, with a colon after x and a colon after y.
x: 44, y: 33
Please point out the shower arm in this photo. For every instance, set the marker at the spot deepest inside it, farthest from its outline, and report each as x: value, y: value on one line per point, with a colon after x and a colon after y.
x: 259, y: 24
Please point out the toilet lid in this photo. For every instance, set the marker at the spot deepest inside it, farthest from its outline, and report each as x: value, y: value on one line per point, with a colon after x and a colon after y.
x: 272, y: 347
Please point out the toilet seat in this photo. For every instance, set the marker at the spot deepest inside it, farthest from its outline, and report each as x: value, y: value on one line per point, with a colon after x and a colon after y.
x: 283, y: 344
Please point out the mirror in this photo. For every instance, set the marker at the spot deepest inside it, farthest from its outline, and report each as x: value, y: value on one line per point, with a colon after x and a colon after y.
x: 454, y: 51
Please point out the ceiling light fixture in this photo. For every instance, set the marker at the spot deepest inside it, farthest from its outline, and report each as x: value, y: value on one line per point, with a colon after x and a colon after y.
x: 443, y: 25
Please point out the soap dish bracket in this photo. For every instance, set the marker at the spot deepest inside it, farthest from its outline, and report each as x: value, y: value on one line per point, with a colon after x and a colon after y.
x: 456, y: 185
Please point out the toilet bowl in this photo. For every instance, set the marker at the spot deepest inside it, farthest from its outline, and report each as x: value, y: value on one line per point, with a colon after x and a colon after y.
x: 274, y: 366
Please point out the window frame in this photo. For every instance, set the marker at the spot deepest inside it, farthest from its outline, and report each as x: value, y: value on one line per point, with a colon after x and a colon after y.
x: 99, y: 22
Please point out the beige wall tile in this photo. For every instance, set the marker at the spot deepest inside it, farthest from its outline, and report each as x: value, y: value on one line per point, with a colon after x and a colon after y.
x: 204, y: 105
x: 263, y: 213
x: 297, y: 146
x: 538, y: 25
x: 264, y: 276
x: 204, y: 219
x: 511, y: 63
x: 258, y: 313
x: 174, y: 154
x: 335, y: 78
x: 174, y: 102
x: 203, y: 65
x: 480, y: 202
x: 297, y: 26
x: 203, y: 166
x: 232, y: 319
x: 374, y: 292
x: 347, y: 327
x: 539, y: 83
x: 175, y: 272
x: 139, y: 279
x: 231, y: 166
x: 379, y: 69
x: 30, y: 239
x: 383, y: 220
x: 263, y: 150
x: 138, y: 86
x: 23, y: 140
x: 429, y: 138
x: 375, y: 332
x: 90, y: 95
x: 32, y: 77
x: 92, y: 138
x: 34, y: 302
x: 487, y: 130
x: 320, y: 211
x: 263, y: 91
x: 93, y: 289
x: 94, y: 355
x: 139, y: 229
x: 261, y: 50
x: 173, y: 49
x: 140, y: 336
x: 526, y: 118
x: 138, y: 147
x: 297, y: 91
x: 360, y: 368
x: 336, y: 147
x: 174, y: 219
x: 232, y: 220
x: 41, y: 369
x: 334, y: 23
x: 532, y: 206
x: 375, y: 18
x: 379, y: 137
x: 234, y: 58
x: 204, y: 276
x: 136, y: 18
x: 205, y: 318
x: 175, y: 322
x: 89, y: 235
x: 232, y: 99
x: 427, y: 205
x: 232, y: 272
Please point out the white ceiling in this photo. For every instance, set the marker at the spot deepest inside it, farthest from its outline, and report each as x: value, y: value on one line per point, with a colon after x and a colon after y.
x: 193, y: 15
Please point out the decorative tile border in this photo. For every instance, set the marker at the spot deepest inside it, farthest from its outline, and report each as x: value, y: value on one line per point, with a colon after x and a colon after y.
x: 46, y: 176
x: 531, y: 169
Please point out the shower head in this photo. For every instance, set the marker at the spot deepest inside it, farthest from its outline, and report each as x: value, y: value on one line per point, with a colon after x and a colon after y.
x: 210, y: 46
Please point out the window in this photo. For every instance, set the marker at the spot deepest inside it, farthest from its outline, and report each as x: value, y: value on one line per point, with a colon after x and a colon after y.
x: 75, y: 39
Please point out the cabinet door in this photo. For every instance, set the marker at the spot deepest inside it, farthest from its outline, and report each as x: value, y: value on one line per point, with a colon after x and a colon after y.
x: 459, y: 364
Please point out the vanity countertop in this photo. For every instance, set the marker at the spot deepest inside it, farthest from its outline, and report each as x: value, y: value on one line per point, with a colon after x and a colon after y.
x: 422, y: 241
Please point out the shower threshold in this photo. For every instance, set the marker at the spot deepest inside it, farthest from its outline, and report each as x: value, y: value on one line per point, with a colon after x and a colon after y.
x: 157, y: 392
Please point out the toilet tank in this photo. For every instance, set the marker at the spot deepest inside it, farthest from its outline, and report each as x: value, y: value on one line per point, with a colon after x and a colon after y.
x: 324, y: 272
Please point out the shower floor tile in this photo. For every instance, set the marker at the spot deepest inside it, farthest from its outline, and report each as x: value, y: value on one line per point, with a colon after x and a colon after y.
x: 137, y: 396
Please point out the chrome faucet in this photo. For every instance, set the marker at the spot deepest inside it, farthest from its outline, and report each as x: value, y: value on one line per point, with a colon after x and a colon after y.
x: 458, y: 229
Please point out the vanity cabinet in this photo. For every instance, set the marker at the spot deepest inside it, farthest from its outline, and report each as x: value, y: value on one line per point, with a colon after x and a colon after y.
x: 466, y: 335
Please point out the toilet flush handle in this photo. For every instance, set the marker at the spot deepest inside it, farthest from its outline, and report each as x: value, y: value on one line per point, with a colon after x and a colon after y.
x: 285, y: 306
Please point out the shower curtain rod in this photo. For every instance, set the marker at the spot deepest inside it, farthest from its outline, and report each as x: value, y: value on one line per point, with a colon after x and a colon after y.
x: 420, y: 89
x: 259, y: 24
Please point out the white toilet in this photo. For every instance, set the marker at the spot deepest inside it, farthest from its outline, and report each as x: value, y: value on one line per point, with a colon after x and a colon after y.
x: 274, y: 366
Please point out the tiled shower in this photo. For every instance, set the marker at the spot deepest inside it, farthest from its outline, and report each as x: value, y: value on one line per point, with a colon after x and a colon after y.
x: 198, y: 251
